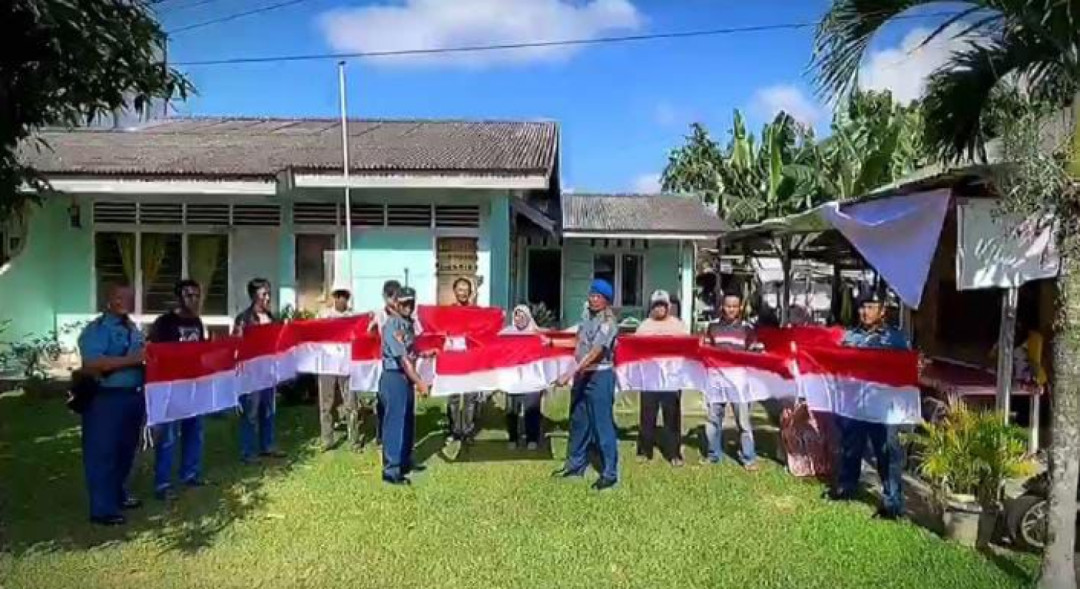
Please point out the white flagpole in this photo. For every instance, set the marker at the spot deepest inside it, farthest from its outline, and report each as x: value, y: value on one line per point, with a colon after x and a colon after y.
x: 345, y: 175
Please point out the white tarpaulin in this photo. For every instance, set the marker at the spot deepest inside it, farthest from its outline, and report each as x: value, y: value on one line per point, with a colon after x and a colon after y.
x: 897, y: 236
x: 1001, y: 251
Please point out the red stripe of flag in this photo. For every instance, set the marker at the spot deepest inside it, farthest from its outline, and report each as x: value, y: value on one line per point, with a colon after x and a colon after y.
x: 898, y: 368
x: 167, y: 362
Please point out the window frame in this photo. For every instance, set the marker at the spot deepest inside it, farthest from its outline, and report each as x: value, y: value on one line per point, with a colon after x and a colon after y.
x: 619, y: 276
x: 184, y: 231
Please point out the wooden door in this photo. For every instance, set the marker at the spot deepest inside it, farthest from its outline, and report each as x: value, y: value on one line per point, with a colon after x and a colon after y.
x: 456, y: 258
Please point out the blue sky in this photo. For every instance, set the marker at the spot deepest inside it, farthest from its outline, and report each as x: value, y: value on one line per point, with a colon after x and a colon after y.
x: 621, y: 107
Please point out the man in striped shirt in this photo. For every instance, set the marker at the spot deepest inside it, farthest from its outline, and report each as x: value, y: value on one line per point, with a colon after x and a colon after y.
x: 730, y: 331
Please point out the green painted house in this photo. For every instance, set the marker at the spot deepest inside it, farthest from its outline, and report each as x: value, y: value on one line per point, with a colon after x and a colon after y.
x: 224, y: 200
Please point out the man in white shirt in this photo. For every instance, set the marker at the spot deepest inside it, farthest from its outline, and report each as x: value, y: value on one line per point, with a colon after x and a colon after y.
x: 331, y: 385
x: 661, y: 322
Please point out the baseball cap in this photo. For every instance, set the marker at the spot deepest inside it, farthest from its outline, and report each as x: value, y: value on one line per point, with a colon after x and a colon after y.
x: 870, y: 295
x: 660, y: 297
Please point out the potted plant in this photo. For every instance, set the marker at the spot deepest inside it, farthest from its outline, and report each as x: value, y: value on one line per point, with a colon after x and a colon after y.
x: 967, y: 456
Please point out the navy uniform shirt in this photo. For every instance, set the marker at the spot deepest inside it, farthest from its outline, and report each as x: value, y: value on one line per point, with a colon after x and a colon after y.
x: 111, y: 336
x: 597, y: 330
x: 398, y: 341
x: 880, y: 337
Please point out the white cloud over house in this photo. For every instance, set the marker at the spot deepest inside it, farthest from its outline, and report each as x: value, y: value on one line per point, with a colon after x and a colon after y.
x: 441, y: 24
x: 647, y: 184
x: 769, y: 101
x: 904, y: 69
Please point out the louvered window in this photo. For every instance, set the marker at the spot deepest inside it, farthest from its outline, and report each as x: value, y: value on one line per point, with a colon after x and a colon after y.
x: 163, y: 213
x: 114, y: 212
x: 457, y: 216
x: 368, y: 215
x: 256, y: 215
x: 408, y: 215
x: 315, y: 213
x: 207, y: 214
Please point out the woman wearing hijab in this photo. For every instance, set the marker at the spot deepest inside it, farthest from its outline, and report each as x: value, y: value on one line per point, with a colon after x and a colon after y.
x: 522, y: 323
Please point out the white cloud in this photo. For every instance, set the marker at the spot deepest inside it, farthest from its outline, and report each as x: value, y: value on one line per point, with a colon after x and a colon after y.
x: 439, y: 24
x: 905, y: 69
x: 785, y: 97
x: 647, y: 184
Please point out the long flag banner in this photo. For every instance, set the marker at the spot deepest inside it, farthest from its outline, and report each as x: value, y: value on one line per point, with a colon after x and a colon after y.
x: 872, y: 385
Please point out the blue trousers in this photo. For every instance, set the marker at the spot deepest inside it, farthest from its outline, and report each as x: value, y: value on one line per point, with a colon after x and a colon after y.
x: 110, y: 437
x: 885, y: 442
x: 189, y: 433
x: 257, y: 410
x: 399, y: 406
x: 592, y: 419
x: 714, y: 432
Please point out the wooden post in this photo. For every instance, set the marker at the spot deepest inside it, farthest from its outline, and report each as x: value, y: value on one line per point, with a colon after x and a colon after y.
x: 784, y: 301
x: 1009, y: 301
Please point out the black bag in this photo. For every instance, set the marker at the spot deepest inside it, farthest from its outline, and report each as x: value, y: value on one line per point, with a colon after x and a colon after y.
x: 83, y: 388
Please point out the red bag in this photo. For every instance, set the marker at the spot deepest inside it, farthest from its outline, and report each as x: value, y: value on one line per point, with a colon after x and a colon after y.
x: 808, y: 441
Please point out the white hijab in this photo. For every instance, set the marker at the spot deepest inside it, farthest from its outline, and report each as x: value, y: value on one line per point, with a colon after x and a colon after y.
x: 512, y: 329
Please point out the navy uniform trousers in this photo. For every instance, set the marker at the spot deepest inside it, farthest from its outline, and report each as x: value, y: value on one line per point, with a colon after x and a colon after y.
x: 397, y: 423
x: 592, y: 419
x: 885, y: 442
x: 111, y: 426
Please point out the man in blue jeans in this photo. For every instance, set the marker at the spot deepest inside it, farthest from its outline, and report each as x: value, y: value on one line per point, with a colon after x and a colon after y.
x: 111, y: 348
x: 592, y: 400
x: 872, y: 333
x: 731, y: 332
x: 257, y: 408
x: 181, y: 324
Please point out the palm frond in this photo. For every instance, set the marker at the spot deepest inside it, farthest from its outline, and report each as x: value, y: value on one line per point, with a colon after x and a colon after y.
x: 957, y: 95
x: 843, y: 37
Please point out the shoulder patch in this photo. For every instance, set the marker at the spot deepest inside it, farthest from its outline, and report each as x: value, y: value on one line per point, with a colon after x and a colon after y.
x: 399, y: 335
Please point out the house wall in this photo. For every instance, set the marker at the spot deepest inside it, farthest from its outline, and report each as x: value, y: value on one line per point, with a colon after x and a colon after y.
x: 51, y: 277
x: 662, y: 270
x: 51, y: 281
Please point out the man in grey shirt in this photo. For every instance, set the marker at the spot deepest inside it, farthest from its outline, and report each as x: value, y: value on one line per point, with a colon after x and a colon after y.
x: 732, y: 332
x: 592, y: 400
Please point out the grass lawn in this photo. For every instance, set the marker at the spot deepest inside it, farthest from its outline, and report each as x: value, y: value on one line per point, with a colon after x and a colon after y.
x: 485, y: 517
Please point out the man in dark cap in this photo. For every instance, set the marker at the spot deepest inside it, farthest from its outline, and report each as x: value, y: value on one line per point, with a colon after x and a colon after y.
x: 593, y: 395
x: 397, y: 384
x: 874, y: 333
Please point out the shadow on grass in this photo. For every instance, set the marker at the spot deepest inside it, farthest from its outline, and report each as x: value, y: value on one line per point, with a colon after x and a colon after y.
x: 45, y: 506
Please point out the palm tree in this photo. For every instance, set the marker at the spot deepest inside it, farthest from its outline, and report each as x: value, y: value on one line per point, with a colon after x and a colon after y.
x: 1036, y: 44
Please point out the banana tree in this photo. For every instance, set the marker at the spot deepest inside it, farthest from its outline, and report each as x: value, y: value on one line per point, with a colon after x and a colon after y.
x: 1036, y: 42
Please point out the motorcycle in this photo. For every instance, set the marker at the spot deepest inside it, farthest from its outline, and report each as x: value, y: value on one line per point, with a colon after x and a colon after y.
x: 1026, y: 516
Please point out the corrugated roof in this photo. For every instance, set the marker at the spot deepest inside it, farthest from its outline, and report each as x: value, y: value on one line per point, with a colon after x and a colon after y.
x: 245, y: 147
x: 630, y: 213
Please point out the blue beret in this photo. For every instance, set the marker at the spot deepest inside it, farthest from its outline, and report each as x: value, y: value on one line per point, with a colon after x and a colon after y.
x: 602, y: 288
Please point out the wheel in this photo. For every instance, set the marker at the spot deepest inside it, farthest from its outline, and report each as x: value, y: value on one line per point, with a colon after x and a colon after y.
x: 1026, y: 521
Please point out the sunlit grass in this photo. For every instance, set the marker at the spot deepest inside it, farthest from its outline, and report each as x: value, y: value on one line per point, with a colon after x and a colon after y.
x: 485, y: 517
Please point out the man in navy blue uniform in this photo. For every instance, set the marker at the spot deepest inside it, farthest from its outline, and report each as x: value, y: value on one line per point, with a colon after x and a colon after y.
x: 397, y: 384
x: 111, y: 348
x: 592, y: 398
x: 872, y: 333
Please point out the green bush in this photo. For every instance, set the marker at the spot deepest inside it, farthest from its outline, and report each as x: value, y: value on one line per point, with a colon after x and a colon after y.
x: 972, y: 452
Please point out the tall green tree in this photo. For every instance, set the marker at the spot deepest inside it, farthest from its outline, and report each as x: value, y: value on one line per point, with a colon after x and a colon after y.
x: 752, y: 177
x: 1034, y: 44
x: 69, y: 61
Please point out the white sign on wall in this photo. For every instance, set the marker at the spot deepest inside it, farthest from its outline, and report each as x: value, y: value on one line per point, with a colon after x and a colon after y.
x: 995, y: 250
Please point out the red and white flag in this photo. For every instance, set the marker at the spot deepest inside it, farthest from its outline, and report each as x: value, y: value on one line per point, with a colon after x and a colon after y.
x: 880, y: 386
x: 188, y: 379
x: 260, y: 363
x: 675, y: 363
x: 323, y: 346
x: 509, y: 363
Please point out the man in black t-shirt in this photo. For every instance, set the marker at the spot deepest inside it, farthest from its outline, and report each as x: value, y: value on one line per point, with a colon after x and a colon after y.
x: 182, y: 324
